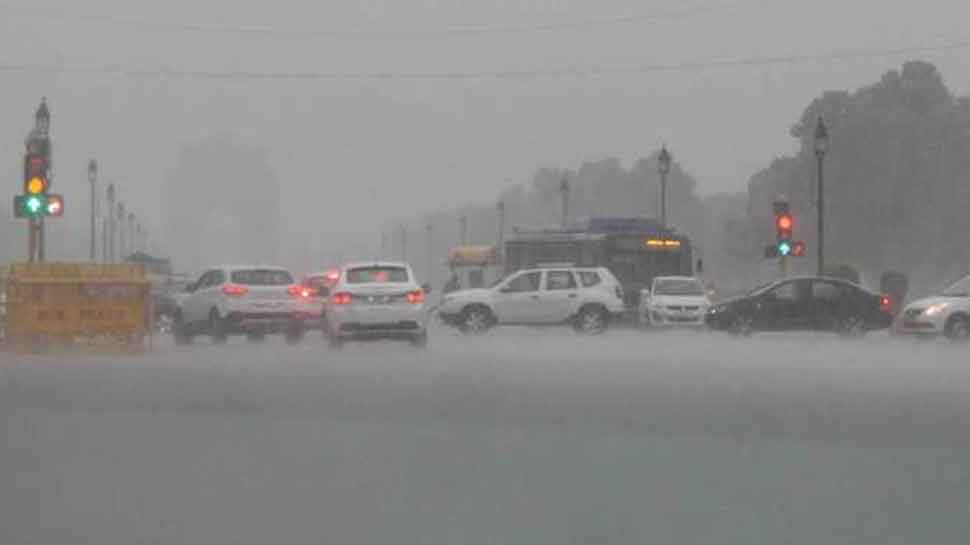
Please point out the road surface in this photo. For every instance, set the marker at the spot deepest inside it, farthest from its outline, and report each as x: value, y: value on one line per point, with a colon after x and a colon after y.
x: 520, y: 436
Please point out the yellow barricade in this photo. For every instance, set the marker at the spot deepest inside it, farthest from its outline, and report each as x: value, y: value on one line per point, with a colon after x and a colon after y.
x: 75, y: 302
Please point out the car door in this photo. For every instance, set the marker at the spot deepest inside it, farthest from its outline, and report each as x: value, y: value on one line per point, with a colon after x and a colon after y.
x: 193, y: 303
x: 829, y: 302
x: 518, y: 299
x: 785, y: 307
x: 559, y: 297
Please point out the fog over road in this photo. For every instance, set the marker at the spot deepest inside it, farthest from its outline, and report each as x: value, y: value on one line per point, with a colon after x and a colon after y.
x: 520, y: 436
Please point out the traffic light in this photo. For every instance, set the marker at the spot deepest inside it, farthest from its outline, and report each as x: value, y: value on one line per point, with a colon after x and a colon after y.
x: 798, y: 249
x: 54, y: 206
x: 784, y: 225
x: 35, y: 174
x: 30, y: 206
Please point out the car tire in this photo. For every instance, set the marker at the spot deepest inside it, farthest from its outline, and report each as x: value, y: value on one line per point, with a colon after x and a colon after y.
x: 476, y: 320
x: 742, y: 326
x: 420, y: 341
x: 256, y: 336
x: 591, y: 320
x: 852, y: 327
x: 180, y: 332
x: 957, y: 328
x: 294, y: 334
x: 217, y: 328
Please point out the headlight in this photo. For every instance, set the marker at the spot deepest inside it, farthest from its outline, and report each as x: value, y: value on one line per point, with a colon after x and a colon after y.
x: 933, y: 310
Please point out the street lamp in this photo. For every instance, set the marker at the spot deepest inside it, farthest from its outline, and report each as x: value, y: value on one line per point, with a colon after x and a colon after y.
x: 663, y: 167
x: 821, y: 148
x: 500, y: 207
x: 109, y: 230
x: 121, y: 231
x: 93, y: 180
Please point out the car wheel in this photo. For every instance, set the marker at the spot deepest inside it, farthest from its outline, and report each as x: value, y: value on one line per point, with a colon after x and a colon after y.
x: 255, y: 336
x: 476, y: 320
x: 958, y: 329
x: 217, y: 328
x: 420, y: 341
x: 742, y: 326
x: 590, y: 321
x: 852, y: 327
x: 294, y: 334
x: 180, y: 331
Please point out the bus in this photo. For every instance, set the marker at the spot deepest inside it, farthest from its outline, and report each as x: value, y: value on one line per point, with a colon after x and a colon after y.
x: 635, y: 250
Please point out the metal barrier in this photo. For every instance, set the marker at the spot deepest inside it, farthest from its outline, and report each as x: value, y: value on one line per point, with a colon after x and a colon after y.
x: 68, y: 303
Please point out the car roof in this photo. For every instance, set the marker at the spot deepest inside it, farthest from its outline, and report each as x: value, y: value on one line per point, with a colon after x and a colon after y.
x: 363, y: 264
x: 694, y: 278
x: 247, y: 268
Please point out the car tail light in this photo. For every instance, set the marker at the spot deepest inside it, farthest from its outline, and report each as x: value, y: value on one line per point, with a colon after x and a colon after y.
x: 234, y: 290
x: 885, y: 304
x: 300, y: 291
x: 341, y: 298
x: 415, y: 297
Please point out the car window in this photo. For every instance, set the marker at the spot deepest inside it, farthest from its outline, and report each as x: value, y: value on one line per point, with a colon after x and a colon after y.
x: 959, y: 289
x: 560, y: 280
x: 258, y: 277
x: 826, y: 291
x: 677, y: 286
x: 589, y: 278
x: 218, y: 278
x: 370, y: 275
x: 523, y: 283
x: 784, y: 292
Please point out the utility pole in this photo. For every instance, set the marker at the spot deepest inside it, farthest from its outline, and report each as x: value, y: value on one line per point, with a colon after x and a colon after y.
x: 663, y: 167
x: 564, y: 192
x: 821, y: 148
x: 93, y: 180
x: 428, y: 229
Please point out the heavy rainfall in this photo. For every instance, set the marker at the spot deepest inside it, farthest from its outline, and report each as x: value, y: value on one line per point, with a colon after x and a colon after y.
x: 490, y: 272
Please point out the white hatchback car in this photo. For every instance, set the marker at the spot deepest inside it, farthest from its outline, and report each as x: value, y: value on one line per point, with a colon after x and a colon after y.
x: 674, y: 301
x: 945, y: 314
x: 377, y: 300
x: 587, y: 298
x: 250, y: 300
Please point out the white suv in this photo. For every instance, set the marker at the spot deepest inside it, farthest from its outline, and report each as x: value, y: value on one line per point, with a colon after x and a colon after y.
x: 587, y: 298
x: 250, y: 300
x: 947, y: 314
x: 376, y: 300
x: 674, y: 301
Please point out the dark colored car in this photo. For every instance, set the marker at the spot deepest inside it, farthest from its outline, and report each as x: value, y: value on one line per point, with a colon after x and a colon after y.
x: 806, y: 303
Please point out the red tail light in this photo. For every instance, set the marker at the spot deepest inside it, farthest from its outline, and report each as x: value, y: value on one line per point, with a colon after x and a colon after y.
x: 299, y: 291
x: 234, y: 290
x: 415, y: 297
x: 340, y: 298
x: 886, y: 304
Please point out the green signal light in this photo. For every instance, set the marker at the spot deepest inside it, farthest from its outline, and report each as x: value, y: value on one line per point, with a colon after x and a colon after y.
x: 33, y: 205
x: 784, y: 248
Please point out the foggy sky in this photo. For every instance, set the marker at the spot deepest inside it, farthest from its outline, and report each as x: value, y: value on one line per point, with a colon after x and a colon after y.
x: 423, y: 144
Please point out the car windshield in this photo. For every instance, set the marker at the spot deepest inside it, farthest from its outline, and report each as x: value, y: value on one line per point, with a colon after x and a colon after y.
x: 677, y: 286
x: 761, y: 289
x: 261, y: 277
x: 375, y: 275
x: 960, y: 288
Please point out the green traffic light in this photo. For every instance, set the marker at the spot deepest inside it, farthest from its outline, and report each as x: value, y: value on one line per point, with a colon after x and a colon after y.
x: 33, y: 205
x: 784, y: 248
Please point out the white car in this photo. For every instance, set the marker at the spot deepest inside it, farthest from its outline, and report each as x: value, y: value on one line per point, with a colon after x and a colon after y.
x: 674, y: 301
x: 587, y: 298
x: 377, y: 300
x: 249, y: 300
x: 945, y: 314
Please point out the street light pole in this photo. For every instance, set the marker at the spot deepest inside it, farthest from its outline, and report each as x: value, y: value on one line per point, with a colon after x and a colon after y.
x: 93, y: 180
x: 501, y: 227
x: 110, y: 246
x: 821, y: 148
x: 564, y: 192
x: 663, y: 167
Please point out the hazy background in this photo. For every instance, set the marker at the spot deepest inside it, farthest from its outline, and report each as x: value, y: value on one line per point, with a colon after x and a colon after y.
x: 351, y: 153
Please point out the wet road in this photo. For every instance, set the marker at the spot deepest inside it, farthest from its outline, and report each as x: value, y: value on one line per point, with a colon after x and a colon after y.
x: 521, y: 436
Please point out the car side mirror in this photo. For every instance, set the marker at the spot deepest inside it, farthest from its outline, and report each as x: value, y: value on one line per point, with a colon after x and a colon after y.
x: 426, y: 288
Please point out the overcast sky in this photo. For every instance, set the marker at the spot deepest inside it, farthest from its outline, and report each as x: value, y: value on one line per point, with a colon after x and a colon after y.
x: 422, y: 143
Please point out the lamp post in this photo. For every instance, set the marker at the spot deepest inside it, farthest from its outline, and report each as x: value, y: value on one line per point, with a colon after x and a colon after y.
x: 564, y: 193
x: 500, y: 207
x: 821, y: 148
x: 120, y: 222
x: 93, y: 180
x: 110, y: 224
x: 663, y: 167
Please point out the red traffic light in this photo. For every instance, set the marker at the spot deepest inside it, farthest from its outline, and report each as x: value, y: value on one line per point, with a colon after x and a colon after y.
x: 784, y: 222
x: 798, y: 249
x: 55, y: 205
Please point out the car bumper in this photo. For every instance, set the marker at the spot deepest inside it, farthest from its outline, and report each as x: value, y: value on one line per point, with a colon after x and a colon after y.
x: 378, y: 322
x: 917, y: 327
x: 267, y: 322
x: 658, y: 318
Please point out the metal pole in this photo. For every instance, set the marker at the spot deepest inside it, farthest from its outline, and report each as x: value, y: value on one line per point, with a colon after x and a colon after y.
x: 41, y: 240
x: 93, y: 179
x: 821, y: 214
x: 501, y: 227
x: 428, y: 228
x: 31, y: 240
x: 464, y: 229
x: 663, y: 199
x: 564, y: 190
